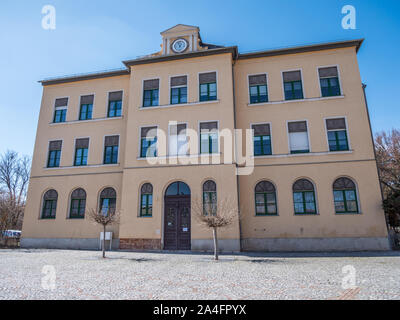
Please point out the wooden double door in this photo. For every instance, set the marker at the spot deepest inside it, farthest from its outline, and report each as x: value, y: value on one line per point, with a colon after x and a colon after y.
x: 177, y: 223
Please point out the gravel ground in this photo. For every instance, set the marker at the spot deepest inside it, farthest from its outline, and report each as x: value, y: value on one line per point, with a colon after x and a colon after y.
x: 133, y: 275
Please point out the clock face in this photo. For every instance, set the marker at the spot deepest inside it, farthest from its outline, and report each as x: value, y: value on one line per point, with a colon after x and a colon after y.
x: 179, y: 45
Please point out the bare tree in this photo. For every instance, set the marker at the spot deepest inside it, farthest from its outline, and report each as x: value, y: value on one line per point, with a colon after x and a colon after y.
x: 105, y: 219
x: 214, y: 218
x: 14, y: 179
x: 387, y: 146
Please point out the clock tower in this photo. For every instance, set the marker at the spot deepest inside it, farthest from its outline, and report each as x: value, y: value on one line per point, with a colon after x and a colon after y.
x: 181, y: 39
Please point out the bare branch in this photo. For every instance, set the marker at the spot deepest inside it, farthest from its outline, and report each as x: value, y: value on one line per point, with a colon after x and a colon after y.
x: 104, y: 219
x: 387, y: 147
x: 8, y: 164
x: 14, y: 179
x: 226, y: 215
x: 23, y: 172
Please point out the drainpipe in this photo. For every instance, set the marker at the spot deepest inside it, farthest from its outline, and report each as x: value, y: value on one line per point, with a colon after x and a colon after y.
x: 364, y: 86
x: 235, y: 147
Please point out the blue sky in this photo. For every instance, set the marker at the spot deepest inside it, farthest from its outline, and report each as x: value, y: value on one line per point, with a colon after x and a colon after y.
x: 97, y: 35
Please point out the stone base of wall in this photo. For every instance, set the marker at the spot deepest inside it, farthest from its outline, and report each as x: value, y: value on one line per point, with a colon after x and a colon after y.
x: 316, y: 244
x: 224, y: 245
x: 140, y: 244
x: 74, y: 244
x: 265, y: 245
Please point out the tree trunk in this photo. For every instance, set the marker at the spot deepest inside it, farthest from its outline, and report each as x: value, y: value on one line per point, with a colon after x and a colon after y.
x: 104, y: 241
x: 215, y: 243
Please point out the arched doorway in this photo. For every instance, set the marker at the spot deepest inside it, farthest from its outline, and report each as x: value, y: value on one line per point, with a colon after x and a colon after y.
x: 177, y: 226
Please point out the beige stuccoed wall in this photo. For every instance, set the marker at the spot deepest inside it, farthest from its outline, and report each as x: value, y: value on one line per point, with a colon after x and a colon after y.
x: 192, y: 114
x: 69, y: 131
x: 322, y: 168
x: 351, y: 106
x: 282, y: 169
x: 370, y: 223
x: 66, y: 178
x: 133, y: 226
x: 138, y: 171
x: 63, y: 227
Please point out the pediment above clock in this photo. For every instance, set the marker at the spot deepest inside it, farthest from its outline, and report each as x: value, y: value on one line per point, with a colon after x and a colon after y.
x: 181, y: 28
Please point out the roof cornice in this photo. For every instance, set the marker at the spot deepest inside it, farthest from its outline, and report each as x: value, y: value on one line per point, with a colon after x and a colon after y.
x: 148, y: 60
x: 309, y: 48
x: 88, y: 76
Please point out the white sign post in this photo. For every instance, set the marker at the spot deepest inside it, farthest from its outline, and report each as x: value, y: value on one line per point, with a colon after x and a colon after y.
x: 108, y: 238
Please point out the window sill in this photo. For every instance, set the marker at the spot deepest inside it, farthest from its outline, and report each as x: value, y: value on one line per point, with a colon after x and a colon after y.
x: 340, y: 151
x: 285, y: 155
x: 179, y: 105
x: 263, y: 156
x: 84, y: 167
x: 169, y: 157
x: 148, y: 158
x: 266, y: 215
x: 291, y: 101
x: 347, y: 213
x: 208, y: 154
x: 85, y: 121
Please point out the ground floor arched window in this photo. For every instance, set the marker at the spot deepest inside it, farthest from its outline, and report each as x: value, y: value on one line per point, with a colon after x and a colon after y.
x: 49, y: 204
x: 265, y: 196
x: 78, y: 204
x: 345, y: 196
x: 304, y: 197
x: 209, y: 198
x: 108, y: 201
x: 146, y: 200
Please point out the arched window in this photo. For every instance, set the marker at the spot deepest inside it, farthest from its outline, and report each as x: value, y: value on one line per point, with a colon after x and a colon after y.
x: 146, y: 200
x: 304, y: 197
x: 265, y: 196
x: 178, y: 189
x: 78, y: 204
x: 49, y: 204
x: 209, y: 198
x: 108, y: 200
x: 345, y: 196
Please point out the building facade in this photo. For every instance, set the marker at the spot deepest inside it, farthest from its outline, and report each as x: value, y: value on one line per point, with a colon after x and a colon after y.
x: 283, y: 136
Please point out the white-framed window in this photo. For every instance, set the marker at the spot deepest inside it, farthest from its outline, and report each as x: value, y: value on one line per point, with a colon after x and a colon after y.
x: 60, y: 110
x: 179, y: 92
x: 177, y: 140
x: 337, y: 134
x: 329, y: 81
x: 209, y: 137
x: 298, y: 137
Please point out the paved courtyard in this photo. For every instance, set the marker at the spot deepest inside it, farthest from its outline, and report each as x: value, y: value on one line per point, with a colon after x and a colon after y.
x: 25, y: 274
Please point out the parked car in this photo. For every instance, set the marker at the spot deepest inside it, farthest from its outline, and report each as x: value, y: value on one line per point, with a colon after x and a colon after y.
x: 12, y: 234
